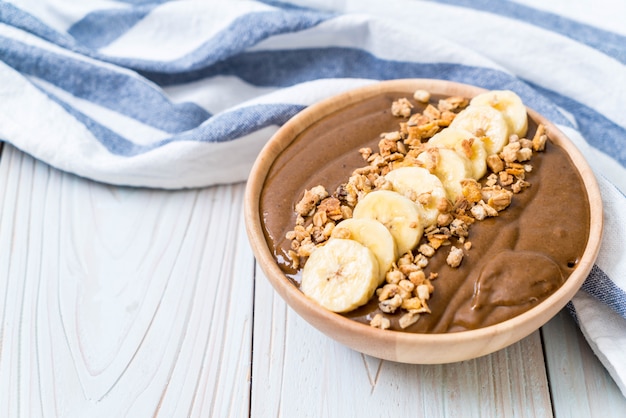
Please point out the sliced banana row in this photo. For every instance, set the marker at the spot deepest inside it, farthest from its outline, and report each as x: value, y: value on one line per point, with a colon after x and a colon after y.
x: 481, y: 129
x: 343, y: 274
x: 385, y: 224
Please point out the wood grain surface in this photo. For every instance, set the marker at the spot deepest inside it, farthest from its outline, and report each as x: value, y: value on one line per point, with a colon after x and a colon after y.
x: 125, y: 302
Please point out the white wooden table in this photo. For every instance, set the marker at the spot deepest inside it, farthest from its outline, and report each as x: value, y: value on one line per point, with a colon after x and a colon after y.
x: 122, y: 302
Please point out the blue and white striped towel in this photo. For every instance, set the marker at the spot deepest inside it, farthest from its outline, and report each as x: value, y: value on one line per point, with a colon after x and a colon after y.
x: 176, y: 94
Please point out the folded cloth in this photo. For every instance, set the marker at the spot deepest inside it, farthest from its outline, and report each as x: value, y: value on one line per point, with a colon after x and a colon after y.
x: 176, y: 94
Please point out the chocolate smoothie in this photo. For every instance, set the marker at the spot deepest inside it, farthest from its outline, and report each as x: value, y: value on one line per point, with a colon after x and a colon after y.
x: 516, y: 259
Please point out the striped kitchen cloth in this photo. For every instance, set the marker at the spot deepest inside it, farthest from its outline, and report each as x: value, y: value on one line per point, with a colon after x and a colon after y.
x: 177, y: 94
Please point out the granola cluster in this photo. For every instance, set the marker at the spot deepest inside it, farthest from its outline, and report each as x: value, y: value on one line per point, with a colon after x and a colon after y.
x: 407, y: 287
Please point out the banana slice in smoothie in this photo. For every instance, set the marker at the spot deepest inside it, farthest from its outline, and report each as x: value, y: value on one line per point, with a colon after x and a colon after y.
x: 374, y: 236
x: 450, y: 167
x: 340, y: 275
x: 398, y: 213
x: 510, y: 105
x: 419, y: 184
x: 485, y: 123
x: 466, y: 144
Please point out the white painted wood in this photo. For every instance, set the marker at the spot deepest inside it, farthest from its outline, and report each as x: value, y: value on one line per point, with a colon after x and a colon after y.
x: 580, y: 385
x: 299, y: 372
x: 121, y: 301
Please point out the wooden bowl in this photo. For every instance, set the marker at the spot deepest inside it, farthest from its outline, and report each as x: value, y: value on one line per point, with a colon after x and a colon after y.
x: 418, y: 348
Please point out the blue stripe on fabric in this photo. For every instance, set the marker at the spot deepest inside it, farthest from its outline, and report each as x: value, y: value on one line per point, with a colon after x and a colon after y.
x: 17, y: 18
x: 610, y: 43
x: 220, y: 128
x: 600, y: 286
x: 243, y: 33
x: 598, y: 130
x: 234, y: 124
x: 114, y: 143
x: 286, y: 6
x: 144, y: 2
x: 117, y: 91
x: 100, y: 28
x: 284, y: 68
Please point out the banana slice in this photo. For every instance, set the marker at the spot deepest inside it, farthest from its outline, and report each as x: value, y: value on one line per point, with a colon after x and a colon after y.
x: 398, y: 213
x: 450, y: 167
x: 511, y: 107
x: 374, y: 236
x: 414, y: 182
x: 464, y: 143
x: 341, y: 275
x: 486, y: 123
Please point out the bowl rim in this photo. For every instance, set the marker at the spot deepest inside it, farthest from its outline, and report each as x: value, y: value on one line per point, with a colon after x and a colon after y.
x: 317, y: 315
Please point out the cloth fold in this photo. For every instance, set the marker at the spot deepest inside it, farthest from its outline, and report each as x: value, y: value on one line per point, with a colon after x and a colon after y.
x: 179, y: 94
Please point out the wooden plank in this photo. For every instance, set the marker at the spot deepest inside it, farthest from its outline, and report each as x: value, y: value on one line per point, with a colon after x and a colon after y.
x: 121, y: 301
x: 297, y: 371
x: 579, y: 384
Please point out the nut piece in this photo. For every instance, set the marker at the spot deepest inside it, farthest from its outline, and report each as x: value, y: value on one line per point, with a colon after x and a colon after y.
x: 482, y: 211
x: 454, y: 257
x: 413, y: 304
x: 390, y: 305
x: 379, y: 321
x: 540, y: 138
x: 500, y: 200
x: 459, y: 228
x: 423, y: 292
x: 394, y: 276
x: 407, y: 286
x: 408, y: 319
x: 519, y: 186
x: 509, y: 153
x: 494, y: 163
x: 387, y: 146
x: 422, y: 96
x: 431, y: 112
x: 401, y: 107
x: 311, y: 197
x: 524, y: 154
x: 332, y: 207
x: 452, y: 103
x: 365, y: 153
x: 471, y: 190
x: 427, y: 250
x: 417, y: 278
x: 388, y: 291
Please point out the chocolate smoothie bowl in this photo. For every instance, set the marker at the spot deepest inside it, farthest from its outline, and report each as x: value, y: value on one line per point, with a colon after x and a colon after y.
x: 423, y: 221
